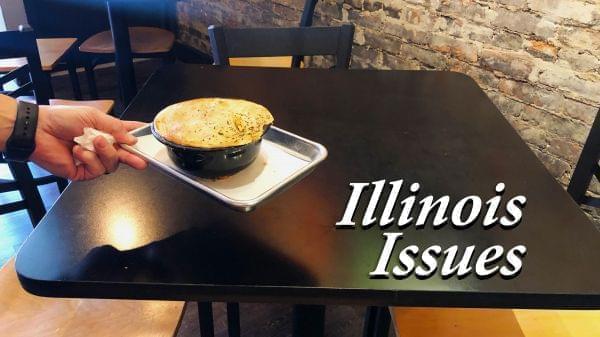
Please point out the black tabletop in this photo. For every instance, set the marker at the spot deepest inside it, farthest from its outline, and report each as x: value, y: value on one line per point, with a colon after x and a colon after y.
x: 145, y: 235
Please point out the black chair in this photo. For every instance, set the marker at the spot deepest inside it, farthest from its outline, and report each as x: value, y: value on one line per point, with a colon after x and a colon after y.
x: 28, y: 79
x: 260, y: 42
x: 306, y: 41
x: 125, y: 42
x: 587, y: 167
x: 306, y: 20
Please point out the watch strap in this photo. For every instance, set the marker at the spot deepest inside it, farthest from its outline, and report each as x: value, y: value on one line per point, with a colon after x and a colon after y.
x: 21, y: 143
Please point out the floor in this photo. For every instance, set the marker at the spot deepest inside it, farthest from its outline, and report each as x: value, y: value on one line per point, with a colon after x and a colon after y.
x: 257, y: 320
x: 16, y: 226
x: 275, y: 320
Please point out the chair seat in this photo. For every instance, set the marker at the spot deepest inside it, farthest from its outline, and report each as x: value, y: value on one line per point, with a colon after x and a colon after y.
x: 452, y: 322
x: 24, y: 314
x: 51, y: 51
x: 273, y: 62
x: 144, y: 40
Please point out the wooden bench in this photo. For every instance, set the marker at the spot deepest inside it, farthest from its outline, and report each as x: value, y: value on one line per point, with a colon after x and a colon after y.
x: 458, y: 322
x: 23, y: 314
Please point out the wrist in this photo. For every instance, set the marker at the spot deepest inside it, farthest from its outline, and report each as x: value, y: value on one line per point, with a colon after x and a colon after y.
x: 8, y: 115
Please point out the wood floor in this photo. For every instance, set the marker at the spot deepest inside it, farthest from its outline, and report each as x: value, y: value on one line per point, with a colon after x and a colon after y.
x: 257, y: 320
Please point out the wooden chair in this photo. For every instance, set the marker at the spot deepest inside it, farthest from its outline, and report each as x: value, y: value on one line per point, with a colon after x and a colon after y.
x: 24, y: 314
x: 458, y: 322
x: 260, y: 42
x: 22, y: 44
x: 587, y: 168
x: 126, y: 43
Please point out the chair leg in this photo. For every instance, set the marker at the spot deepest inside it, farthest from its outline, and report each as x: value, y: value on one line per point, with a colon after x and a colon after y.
x: 377, y: 322
x: 309, y: 320
x: 28, y: 190
x: 50, y: 86
x: 91, y: 79
x: 370, y: 319
x: 72, y: 69
x: 205, y: 318
x: 233, y: 319
x: 22, y: 80
x: 169, y: 58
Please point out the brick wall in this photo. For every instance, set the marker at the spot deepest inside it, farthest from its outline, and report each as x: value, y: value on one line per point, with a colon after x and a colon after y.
x: 538, y: 60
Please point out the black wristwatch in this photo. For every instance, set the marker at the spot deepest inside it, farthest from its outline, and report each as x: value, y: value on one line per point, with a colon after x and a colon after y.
x: 21, y: 143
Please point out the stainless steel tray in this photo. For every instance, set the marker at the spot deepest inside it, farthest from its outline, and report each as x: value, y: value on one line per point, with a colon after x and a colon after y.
x: 284, y: 159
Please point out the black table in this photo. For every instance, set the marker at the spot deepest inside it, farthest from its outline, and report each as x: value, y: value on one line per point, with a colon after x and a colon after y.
x: 144, y: 235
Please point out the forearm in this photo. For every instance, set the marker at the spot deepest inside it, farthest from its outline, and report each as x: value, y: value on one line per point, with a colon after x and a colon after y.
x: 8, y: 113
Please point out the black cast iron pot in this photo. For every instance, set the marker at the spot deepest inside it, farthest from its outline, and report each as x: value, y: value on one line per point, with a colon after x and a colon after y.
x: 214, y: 162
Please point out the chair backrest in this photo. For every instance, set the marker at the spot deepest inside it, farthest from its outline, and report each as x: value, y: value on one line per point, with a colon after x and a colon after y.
x: 120, y: 15
x: 80, y: 19
x: 29, y: 77
x: 260, y: 42
x: 587, y: 167
x: 84, y: 18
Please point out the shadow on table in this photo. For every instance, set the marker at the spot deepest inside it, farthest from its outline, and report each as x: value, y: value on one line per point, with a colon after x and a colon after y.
x: 198, y: 256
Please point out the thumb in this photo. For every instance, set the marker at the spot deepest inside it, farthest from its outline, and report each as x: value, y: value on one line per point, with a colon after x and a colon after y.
x: 116, y: 127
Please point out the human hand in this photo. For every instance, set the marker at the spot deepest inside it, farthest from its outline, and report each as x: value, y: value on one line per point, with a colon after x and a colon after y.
x: 56, y: 151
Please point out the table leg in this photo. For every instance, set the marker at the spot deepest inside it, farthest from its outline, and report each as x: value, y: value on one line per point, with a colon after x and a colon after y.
x: 205, y: 318
x: 309, y: 320
x: 233, y: 319
x: 377, y: 322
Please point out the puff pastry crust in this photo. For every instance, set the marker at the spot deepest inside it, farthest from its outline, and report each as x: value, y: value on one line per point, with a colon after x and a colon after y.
x: 213, y: 122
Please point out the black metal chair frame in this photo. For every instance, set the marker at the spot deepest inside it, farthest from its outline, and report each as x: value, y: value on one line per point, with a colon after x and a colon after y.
x: 306, y: 20
x: 306, y: 41
x: 68, y: 63
x: 123, y: 56
x: 587, y: 167
x: 22, y: 43
x: 301, y: 41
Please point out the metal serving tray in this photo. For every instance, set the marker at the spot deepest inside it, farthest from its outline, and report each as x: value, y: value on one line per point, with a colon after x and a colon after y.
x: 284, y: 159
